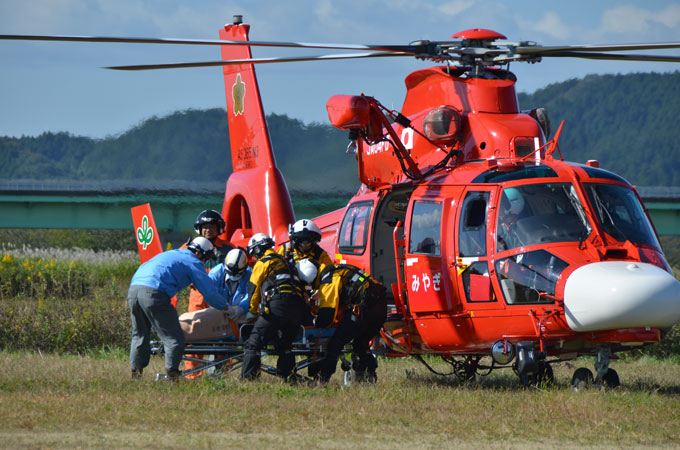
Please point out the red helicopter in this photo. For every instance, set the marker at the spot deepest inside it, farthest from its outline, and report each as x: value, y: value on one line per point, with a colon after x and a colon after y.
x: 492, y: 244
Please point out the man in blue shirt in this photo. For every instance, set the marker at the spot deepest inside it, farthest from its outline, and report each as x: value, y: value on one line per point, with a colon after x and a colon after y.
x: 152, y: 286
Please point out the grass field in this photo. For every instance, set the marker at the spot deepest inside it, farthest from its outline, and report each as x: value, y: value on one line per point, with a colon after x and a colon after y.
x: 49, y: 401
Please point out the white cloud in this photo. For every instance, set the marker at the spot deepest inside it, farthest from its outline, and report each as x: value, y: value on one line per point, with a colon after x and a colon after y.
x: 325, y: 10
x: 453, y: 8
x: 628, y: 19
x: 552, y: 25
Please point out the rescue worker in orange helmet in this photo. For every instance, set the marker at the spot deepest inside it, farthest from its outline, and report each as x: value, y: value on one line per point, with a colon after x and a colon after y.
x: 356, y: 301
x: 277, y: 306
x: 210, y: 225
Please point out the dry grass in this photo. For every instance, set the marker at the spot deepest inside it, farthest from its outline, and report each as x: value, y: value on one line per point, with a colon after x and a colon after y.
x: 52, y: 401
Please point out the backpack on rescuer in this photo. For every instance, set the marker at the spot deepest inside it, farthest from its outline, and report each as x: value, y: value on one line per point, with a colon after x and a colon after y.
x: 357, y: 285
x: 282, y: 280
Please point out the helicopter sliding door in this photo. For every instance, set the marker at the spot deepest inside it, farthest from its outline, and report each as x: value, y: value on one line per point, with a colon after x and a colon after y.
x: 426, y: 279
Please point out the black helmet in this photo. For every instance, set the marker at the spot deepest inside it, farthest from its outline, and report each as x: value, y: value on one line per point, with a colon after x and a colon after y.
x: 209, y: 216
x: 258, y: 244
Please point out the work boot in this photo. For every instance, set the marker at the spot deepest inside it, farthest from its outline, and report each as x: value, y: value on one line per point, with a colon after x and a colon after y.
x: 137, y: 374
x: 171, y: 375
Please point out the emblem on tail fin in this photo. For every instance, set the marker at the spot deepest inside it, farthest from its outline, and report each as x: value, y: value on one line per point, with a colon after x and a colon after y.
x: 144, y: 233
x: 238, y: 93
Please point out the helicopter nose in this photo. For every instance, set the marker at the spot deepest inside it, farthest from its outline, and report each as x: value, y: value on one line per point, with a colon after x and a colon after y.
x: 621, y: 294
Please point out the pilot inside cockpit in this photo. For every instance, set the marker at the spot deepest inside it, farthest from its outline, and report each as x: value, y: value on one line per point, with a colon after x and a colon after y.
x: 511, y: 208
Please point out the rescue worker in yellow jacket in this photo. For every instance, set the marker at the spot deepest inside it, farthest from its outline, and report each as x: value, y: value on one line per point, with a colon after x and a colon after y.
x: 305, y: 236
x: 304, y: 243
x: 357, y: 302
x: 277, y: 304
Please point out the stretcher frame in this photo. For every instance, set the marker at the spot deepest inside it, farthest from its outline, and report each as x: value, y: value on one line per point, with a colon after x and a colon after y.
x: 224, y: 355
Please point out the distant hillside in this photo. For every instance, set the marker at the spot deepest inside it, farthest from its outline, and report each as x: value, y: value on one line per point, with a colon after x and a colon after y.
x: 628, y: 122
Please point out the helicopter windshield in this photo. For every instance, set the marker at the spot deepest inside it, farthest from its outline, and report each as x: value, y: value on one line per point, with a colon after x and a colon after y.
x: 620, y: 213
x: 540, y: 214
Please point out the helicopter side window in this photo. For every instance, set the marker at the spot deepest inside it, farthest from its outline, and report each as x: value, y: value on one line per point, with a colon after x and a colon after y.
x: 527, y: 277
x: 477, y: 284
x: 425, y: 231
x: 354, y: 228
x: 472, y: 232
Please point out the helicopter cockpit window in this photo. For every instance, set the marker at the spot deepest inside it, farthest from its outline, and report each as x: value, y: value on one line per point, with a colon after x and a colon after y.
x: 527, y: 277
x: 540, y: 214
x: 620, y: 214
x: 595, y: 172
x: 425, y: 231
x: 354, y: 228
x: 472, y: 232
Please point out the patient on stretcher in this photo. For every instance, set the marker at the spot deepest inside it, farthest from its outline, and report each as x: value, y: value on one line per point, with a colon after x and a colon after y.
x: 208, y: 324
x: 231, y: 279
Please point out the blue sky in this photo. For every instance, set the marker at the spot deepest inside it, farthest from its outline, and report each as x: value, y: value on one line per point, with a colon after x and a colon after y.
x: 47, y: 86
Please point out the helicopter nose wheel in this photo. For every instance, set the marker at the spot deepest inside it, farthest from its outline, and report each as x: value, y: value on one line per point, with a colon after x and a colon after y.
x: 605, y: 376
x: 611, y: 379
x: 582, y: 378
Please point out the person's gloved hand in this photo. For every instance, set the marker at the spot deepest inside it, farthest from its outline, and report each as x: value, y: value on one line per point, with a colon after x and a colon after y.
x: 234, y: 312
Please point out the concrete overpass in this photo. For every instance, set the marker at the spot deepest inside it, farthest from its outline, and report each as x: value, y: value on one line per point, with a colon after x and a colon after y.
x: 102, y: 205
x: 106, y: 205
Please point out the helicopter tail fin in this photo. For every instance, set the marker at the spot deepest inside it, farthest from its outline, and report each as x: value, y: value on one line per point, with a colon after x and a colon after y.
x: 256, y: 198
x: 148, y: 240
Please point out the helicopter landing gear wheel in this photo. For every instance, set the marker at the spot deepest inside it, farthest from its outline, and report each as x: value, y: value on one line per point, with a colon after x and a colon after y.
x: 349, y: 377
x: 545, y: 376
x: 581, y: 379
x: 611, y: 379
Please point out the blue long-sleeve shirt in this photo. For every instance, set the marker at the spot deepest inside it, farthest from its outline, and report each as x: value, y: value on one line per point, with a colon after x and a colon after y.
x: 235, y: 292
x: 174, y: 270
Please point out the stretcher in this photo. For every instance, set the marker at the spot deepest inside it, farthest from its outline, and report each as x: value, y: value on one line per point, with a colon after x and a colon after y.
x: 224, y: 355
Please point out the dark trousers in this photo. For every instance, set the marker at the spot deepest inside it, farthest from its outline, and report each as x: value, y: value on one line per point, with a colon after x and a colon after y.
x: 282, y: 325
x: 361, y: 329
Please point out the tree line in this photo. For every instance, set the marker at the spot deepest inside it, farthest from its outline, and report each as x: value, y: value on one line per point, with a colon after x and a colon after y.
x: 627, y: 122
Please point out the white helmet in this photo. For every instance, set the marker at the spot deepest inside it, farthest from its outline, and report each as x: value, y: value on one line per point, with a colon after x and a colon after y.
x: 304, y: 230
x: 307, y: 270
x: 515, y: 200
x: 235, y: 263
x: 202, y: 246
x: 258, y: 244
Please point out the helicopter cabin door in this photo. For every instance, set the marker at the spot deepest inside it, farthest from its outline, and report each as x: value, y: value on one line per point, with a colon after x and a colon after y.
x: 425, y: 278
x: 472, y: 250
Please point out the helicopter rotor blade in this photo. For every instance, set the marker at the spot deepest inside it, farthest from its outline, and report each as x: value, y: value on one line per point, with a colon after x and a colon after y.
x: 140, y: 40
x: 257, y: 61
x: 540, y: 50
x: 612, y: 56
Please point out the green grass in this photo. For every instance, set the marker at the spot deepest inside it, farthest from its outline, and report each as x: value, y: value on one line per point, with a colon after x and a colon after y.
x: 89, y: 401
